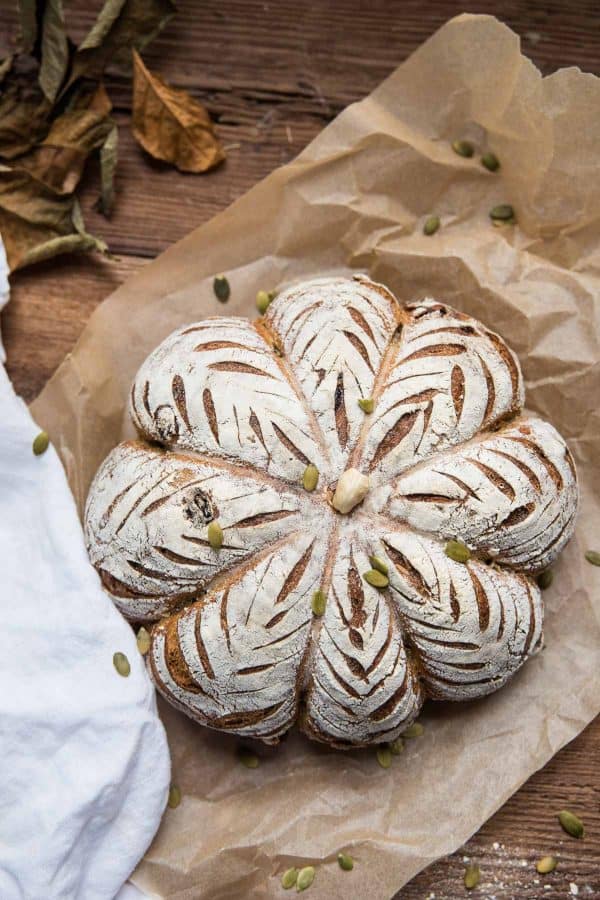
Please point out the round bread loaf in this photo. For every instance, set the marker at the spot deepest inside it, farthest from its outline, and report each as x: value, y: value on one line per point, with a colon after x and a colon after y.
x: 337, y: 605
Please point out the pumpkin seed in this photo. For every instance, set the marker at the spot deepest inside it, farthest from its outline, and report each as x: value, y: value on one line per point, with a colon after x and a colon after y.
x: 384, y: 756
x: 310, y: 478
x: 503, y: 212
x: 367, y: 404
x: 472, y: 877
x: 143, y: 640
x: 345, y: 862
x: 319, y: 601
x: 457, y: 551
x: 431, y: 225
x: 263, y: 300
x: 463, y: 148
x: 289, y: 878
x: 247, y: 758
x: 490, y: 161
x: 593, y: 557
x: 571, y: 823
x: 215, y: 535
x: 306, y: 876
x: 376, y: 579
x: 413, y: 731
x: 121, y: 664
x: 546, y: 864
x: 397, y: 746
x: 221, y: 288
x: 40, y: 443
x: 379, y: 565
x: 545, y: 579
x: 174, y: 797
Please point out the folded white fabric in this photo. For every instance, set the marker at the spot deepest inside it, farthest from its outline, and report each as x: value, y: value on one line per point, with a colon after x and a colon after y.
x: 85, y: 764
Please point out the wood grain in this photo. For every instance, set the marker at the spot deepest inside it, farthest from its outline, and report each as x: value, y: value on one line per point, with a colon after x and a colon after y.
x: 49, y: 307
x: 273, y: 74
x: 525, y: 829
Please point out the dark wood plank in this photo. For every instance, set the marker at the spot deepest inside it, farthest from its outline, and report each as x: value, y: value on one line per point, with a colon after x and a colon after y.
x: 49, y: 307
x: 273, y: 74
x: 156, y: 205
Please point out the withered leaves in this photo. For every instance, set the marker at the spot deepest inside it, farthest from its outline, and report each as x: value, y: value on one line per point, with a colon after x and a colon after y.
x: 24, y: 113
x: 170, y: 125
x: 108, y: 162
x: 120, y: 25
x: 54, y: 113
x: 5, y: 67
x: 55, y: 50
x: 36, y: 223
x: 58, y: 161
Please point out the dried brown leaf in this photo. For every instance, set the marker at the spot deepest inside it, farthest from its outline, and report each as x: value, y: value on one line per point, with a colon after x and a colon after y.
x: 36, y: 223
x: 94, y: 98
x: 58, y: 161
x: 120, y: 25
x: 24, y: 113
x: 108, y: 162
x: 55, y: 49
x: 5, y: 67
x: 170, y: 125
x: 105, y: 21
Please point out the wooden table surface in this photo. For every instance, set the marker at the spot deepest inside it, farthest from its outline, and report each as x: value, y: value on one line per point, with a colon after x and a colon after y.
x: 272, y: 75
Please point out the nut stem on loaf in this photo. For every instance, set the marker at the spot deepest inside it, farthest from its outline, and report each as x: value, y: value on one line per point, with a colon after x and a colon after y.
x: 351, y: 490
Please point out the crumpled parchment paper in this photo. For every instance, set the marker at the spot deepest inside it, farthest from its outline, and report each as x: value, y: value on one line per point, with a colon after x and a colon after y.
x: 356, y: 199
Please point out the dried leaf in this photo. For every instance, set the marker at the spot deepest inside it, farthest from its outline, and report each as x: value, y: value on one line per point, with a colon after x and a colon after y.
x: 36, y: 224
x: 170, y: 125
x: 55, y: 50
x: 106, y: 19
x: 108, y: 161
x: 28, y: 14
x: 58, y: 162
x: 5, y: 67
x: 24, y: 115
x: 120, y: 25
x: 93, y: 243
x: 94, y: 98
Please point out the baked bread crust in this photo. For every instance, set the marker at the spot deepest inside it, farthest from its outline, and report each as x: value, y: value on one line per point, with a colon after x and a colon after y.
x: 231, y: 413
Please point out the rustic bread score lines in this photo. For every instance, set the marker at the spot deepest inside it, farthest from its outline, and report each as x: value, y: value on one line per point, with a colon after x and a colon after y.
x: 231, y: 413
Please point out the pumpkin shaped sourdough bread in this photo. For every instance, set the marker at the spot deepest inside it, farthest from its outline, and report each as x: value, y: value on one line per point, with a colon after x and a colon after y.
x: 231, y: 414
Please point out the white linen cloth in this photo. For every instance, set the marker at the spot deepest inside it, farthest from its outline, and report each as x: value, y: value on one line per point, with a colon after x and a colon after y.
x: 85, y: 763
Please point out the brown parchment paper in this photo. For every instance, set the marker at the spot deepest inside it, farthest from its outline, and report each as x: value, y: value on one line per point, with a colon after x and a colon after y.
x: 356, y: 199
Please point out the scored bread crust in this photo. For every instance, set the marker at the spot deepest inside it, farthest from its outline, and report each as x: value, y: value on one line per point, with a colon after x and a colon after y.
x: 230, y: 413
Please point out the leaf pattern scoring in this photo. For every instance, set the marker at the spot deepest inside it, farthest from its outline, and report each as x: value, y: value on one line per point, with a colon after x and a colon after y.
x: 230, y: 413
